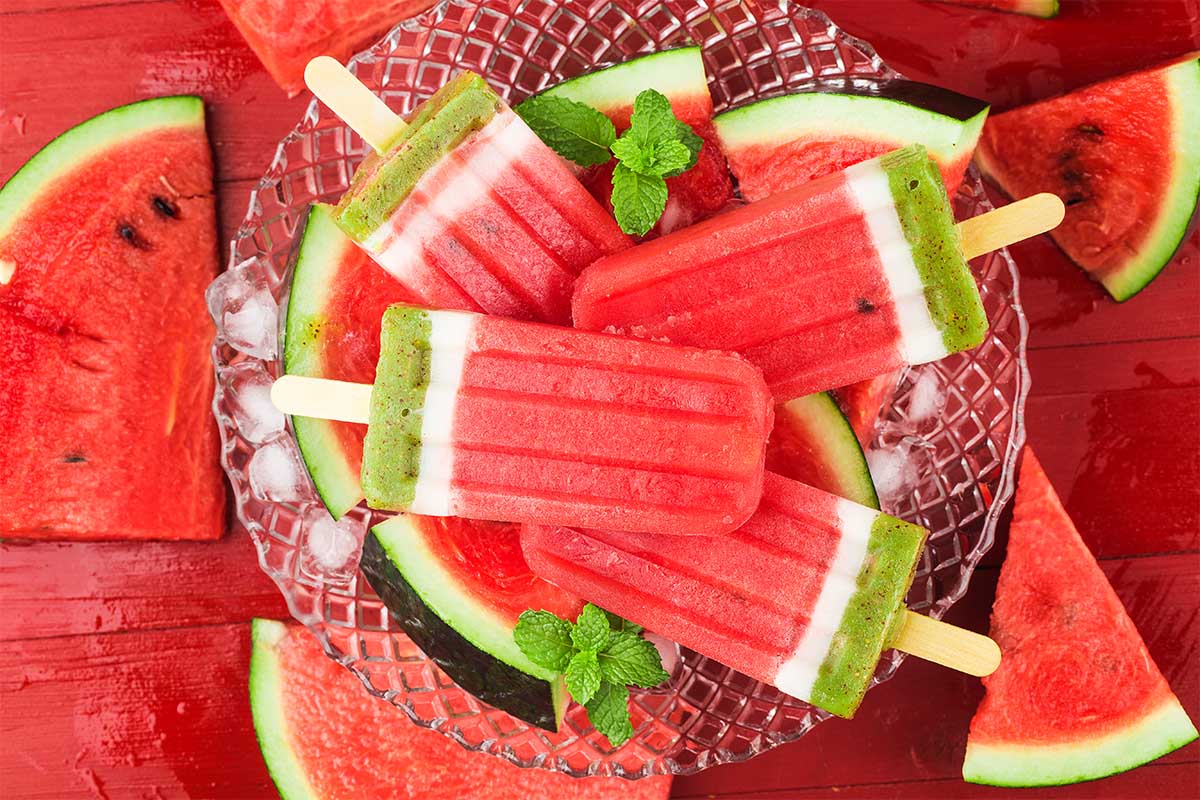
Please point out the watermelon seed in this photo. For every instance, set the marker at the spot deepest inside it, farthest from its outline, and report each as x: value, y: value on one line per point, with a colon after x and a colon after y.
x: 912, y: 184
x: 130, y: 235
x: 74, y: 458
x: 864, y: 305
x: 165, y: 207
x: 1091, y: 130
x: 1074, y: 200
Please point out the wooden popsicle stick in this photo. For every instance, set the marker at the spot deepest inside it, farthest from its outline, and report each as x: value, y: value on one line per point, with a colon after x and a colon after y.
x: 324, y: 399
x: 948, y: 645
x: 1023, y: 219
x: 357, y: 105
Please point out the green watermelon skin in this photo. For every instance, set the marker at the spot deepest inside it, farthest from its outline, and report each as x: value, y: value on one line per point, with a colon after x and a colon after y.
x: 814, y: 443
x: 323, y: 737
x: 107, y: 242
x: 1077, y: 695
x: 1124, y: 156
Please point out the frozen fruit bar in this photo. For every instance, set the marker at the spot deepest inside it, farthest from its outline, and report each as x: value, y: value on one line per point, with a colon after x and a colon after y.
x: 805, y: 596
x: 488, y: 418
x: 470, y: 210
x: 840, y: 279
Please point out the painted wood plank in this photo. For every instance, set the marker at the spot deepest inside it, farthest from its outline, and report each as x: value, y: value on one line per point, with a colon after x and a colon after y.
x: 70, y: 588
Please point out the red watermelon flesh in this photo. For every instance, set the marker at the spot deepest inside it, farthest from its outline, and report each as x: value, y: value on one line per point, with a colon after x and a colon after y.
x: 1077, y: 695
x: 1030, y: 8
x: 1124, y: 155
x: 323, y: 736
x: 107, y: 384
x: 286, y: 35
x: 862, y: 403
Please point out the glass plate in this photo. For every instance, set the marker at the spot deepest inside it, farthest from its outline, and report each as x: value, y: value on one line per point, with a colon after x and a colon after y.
x: 944, y: 448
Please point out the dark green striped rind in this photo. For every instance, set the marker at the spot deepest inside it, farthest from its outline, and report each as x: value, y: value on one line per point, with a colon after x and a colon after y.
x: 928, y: 222
x: 382, y: 183
x: 392, y: 449
x: 866, y: 628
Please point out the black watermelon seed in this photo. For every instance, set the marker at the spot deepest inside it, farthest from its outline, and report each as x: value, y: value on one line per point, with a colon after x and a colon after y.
x: 131, y: 236
x: 74, y: 458
x: 165, y: 207
x: 864, y: 305
x: 1090, y: 129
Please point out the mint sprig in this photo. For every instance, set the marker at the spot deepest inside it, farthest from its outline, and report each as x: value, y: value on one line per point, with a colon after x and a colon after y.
x: 600, y: 655
x: 656, y: 146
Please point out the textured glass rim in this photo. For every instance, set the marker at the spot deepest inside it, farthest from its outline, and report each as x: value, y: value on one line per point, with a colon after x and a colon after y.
x: 715, y: 755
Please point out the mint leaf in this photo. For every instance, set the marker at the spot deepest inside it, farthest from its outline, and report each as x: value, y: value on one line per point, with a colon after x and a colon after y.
x: 583, y: 676
x: 638, y: 200
x: 620, y: 624
x: 544, y: 639
x: 575, y: 131
x: 608, y: 711
x: 652, y: 120
x: 670, y: 158
x: 689, y: 139
x: 630, y: 152
x: 591, y: 629
x: 630, y: 659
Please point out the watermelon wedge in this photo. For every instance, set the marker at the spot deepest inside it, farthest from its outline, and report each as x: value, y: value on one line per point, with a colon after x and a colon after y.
x: 1124, y: 155
x: 1030, y: 8
x: 679, y: 75
x: 784, y: 141
x: 107, y: 242
x: 1077, y: 695
x: 286, y: 35
x: 336, y: 300
x: 813, y: 443
x: 457, y: 587
x: 324, y: 738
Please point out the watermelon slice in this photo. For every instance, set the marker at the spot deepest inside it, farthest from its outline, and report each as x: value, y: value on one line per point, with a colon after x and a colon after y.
x: 814, y: 443
x: 1030, y: 8
x: 107, y: 241
x: 322, y: 737
x: 784, y: 141
x: 862, y: 403
x: 1124, y: 155
x: 286, y: 35
x: 678, y: 74
x: 1077, y: 695
x: 456, y: 587
x: 336, y: 300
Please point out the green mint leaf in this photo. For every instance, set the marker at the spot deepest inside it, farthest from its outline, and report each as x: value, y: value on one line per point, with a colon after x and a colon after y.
x: 608, y: 711
x: 638, y: 200
x: 583, y: 676
x: 652, y: 120
x: 630, y: 659
x: 544, y: 639
x: 688, y: 138
x: 575, y: 131
x: 619, y: 624
x: 670, y: 158
x: 630, y: 152
x: 591, y: 629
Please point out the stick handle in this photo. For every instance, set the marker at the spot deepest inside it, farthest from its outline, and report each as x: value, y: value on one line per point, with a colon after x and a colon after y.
x: 323, y: 399
x: 945, y: 644
x: 357, y: 105
x: 1023, y: 219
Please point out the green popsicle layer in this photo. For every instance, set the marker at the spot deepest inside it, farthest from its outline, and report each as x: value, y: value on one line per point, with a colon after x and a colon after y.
x: 928, y: 223
x: 867, y: 623
x: 392, y: 449
x: 382, y: 182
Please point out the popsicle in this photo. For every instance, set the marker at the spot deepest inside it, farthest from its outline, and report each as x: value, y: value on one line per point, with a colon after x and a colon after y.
x: 840, y: 279
x: 805, y: 596
x: 489, y: 418
x: 464, y: 204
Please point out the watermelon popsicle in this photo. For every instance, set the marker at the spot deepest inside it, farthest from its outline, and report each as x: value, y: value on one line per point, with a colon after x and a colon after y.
x: 463, y: 204
x: 489, y: 418
x: 840, y: 279
x: 805, y: 596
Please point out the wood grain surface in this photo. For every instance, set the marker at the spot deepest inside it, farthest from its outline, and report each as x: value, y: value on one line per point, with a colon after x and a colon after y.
x: 123, y: 674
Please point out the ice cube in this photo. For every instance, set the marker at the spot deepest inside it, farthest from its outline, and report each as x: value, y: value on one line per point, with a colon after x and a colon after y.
x: 330, y: 548
x: 246, y: 314
x: 277, y: 474
x: 926, y: 398
x: 896, y: 468
x: 248, y: 395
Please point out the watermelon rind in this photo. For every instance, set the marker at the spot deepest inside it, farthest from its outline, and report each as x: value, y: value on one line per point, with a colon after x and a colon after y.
x: 674, y: 73
x: 1158, y: 732
x: 452, y: 627
x: 900, y: 112
x: 833, y: 438
x: 81, y: 143
x: 266, y: 706
x: 321, y: 250
x: 1181, y: 190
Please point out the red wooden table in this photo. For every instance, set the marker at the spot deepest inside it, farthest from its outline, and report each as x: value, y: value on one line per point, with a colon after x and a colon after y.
x: 122, y: 673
